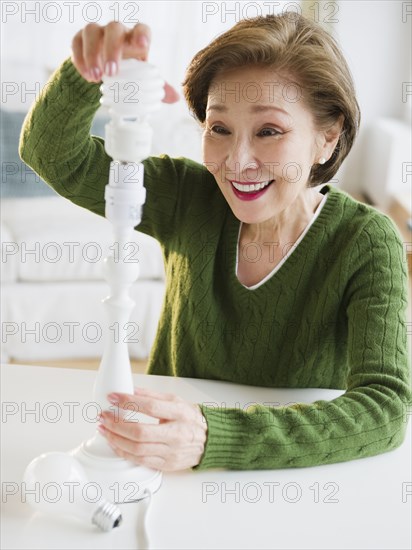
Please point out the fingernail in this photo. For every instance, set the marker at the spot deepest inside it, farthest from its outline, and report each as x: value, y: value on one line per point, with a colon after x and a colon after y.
x: 143, y: 41
x: 97, y: 73
x: 110, y: 68
x: 88, y: 75
x: 101, y: 429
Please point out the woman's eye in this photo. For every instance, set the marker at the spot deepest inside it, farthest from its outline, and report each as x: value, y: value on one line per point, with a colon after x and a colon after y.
x: 265, y: 132
x: 219, y: 130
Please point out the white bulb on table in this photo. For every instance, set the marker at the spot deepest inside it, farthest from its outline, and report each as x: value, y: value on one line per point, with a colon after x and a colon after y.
x: 56, y: 484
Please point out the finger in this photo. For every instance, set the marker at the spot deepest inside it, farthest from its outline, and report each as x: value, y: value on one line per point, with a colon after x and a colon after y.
x: 137, y: 449
x: 155, y: 455
x: 165, y: 463
x: 77, y: 55
x: 142, y: 450
x: 153, y: 461
x: 92, y: 37
x: 165, y: 407
x: 174, y: 434
x: 171, y: 95
x: 112, y: 47
x: 140, y: 37
x: 165, y: 432
x: 137, y: 431
x: 146, y: 392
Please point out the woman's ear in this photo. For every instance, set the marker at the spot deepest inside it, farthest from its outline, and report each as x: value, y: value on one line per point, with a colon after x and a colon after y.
x: 330, y: 139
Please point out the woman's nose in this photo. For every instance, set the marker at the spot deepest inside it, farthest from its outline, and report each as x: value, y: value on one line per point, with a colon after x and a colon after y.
x: 241, y: 164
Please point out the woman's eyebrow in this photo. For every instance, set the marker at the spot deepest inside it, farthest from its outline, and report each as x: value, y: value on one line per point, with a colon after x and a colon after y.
x: 254, y: 108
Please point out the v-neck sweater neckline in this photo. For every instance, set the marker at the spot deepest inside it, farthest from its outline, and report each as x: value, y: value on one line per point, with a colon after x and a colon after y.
x: 286, y: 256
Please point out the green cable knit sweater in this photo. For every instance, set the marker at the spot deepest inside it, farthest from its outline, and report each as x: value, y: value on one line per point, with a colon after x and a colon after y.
x: 332, y: 316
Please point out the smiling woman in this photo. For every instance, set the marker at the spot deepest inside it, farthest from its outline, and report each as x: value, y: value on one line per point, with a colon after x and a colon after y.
x: 268, y: 140
x: 274, y: 277
x: 303, y: 65
x: 261, y: 154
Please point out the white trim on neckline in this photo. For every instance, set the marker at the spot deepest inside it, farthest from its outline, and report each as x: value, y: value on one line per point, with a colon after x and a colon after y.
x: 279, y: 265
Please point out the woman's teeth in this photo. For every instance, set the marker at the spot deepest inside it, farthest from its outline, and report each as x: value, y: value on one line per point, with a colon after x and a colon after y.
x: 251, y: 187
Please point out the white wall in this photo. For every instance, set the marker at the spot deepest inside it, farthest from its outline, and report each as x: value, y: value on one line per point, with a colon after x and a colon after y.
x: 375, y: 37
x: 37, y: 35
x: 376, y: 40
x: 377, y: 44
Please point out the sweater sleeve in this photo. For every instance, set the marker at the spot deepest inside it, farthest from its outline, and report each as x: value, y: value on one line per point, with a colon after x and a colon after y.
x: 56, y: 143
x: 371, y: 416
x: 55, y: 140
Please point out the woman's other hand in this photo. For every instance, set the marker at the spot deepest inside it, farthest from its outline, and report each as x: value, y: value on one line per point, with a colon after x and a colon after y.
x: 177, y: 442
x: 97, y: 51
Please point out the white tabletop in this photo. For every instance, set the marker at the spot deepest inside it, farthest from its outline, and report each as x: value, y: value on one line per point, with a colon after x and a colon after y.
x: 359, y: 504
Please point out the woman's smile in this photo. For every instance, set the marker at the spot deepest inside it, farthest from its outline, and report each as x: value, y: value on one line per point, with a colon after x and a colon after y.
x: 250, y: 191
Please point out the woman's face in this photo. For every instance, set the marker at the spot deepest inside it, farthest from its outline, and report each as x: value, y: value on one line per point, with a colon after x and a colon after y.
x: 259, y: 142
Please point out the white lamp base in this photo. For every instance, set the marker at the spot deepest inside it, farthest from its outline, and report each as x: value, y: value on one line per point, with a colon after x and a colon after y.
x: 115, y: 479
x: 128, y: 139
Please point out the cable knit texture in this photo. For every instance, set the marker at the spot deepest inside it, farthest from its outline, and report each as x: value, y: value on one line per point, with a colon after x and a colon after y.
x: 332, y: 316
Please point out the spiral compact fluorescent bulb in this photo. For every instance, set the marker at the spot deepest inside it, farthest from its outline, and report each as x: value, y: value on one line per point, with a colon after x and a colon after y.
x: 131, y: 97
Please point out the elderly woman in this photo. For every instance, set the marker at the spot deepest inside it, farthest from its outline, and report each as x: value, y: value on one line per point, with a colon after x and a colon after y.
x: 273, y: 276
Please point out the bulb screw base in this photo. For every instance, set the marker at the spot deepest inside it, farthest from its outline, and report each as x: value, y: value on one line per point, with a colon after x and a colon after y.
x: 107, y: 516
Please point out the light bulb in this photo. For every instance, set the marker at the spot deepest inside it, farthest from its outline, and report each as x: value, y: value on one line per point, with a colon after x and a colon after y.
x: 131, y: 96
x: 56, y: 484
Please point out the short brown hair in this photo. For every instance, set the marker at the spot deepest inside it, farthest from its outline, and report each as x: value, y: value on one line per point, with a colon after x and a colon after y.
x: 291, y: 43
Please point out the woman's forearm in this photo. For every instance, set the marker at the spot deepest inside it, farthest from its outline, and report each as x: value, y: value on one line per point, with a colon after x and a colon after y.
x: 56, y: 143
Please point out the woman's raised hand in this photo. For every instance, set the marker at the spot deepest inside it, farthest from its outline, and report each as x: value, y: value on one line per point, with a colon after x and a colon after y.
x: 97, y: 51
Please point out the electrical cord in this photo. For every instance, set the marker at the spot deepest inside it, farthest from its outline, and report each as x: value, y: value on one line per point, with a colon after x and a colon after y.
x: 143, y: 509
